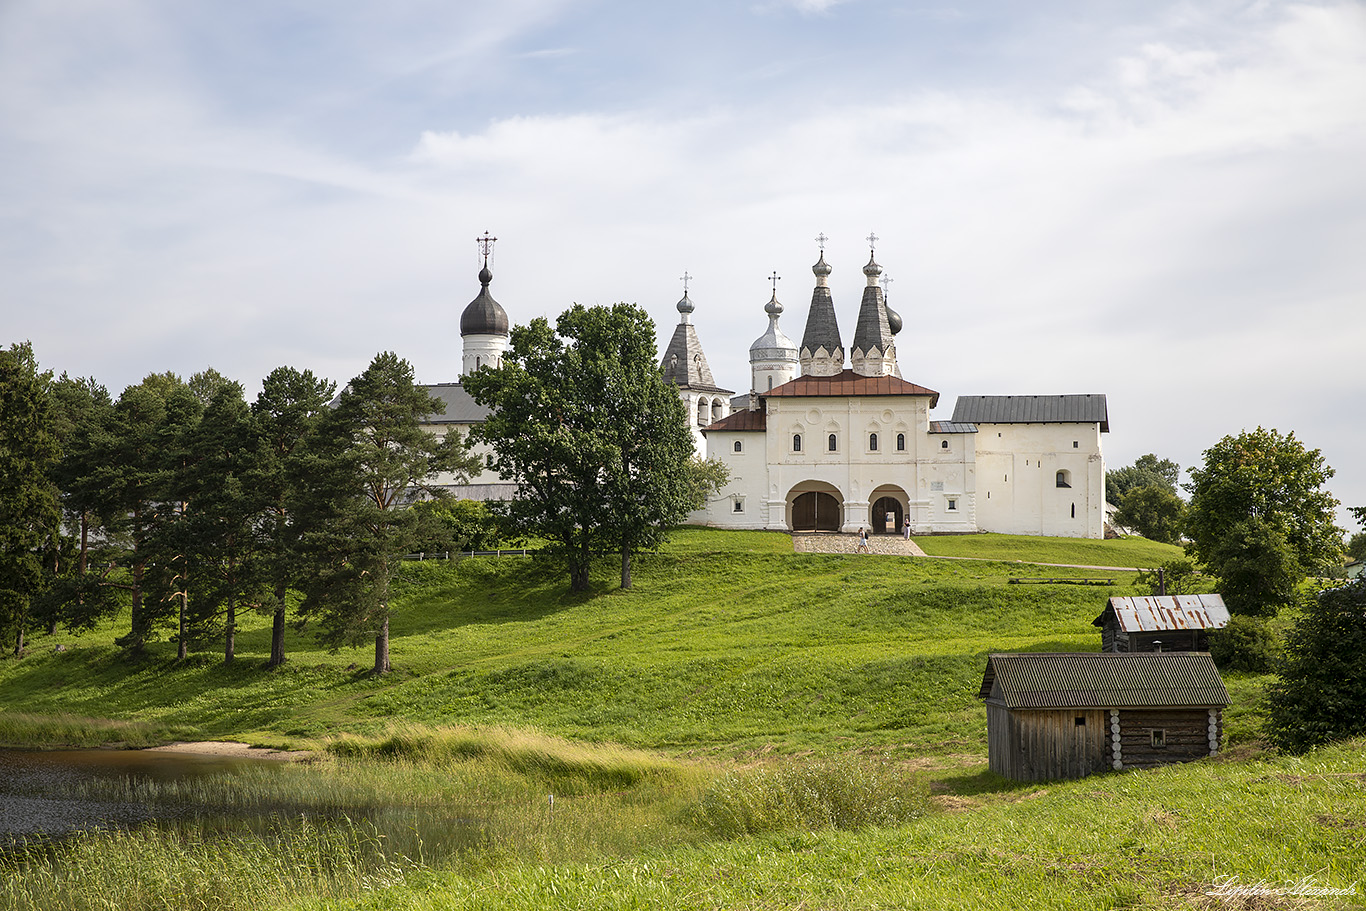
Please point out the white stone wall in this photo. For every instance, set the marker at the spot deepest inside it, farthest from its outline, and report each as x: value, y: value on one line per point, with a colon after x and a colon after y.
x: 747, y: 485
x: 1018, y: 466
x: 482, y: 351
x: 702, y: 409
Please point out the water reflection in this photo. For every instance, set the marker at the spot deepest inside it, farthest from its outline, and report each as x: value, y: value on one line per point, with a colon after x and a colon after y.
x: 43, y: 794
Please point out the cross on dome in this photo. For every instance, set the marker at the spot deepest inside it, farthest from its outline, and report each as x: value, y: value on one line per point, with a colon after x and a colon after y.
x: 872, y: 241
x: 820, y: 240
x: 486, y: 245
x: 685, y: 278
x: 775, y: 278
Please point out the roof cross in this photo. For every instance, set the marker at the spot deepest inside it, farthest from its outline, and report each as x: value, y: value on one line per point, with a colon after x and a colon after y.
x: 485, y: 245
x: 685, y: 278
x: 820, y: 240
x: 872, y: 241
x: 886, y: 286
x: 775, y: 278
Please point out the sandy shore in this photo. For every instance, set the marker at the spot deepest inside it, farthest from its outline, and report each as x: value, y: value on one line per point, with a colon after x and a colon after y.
x: 233, y: 749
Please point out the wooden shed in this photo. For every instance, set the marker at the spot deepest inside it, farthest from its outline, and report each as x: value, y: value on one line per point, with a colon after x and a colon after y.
x: 1066, y: 715
x: 1161, y: 623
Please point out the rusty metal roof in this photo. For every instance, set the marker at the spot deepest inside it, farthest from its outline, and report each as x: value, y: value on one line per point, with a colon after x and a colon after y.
x: 1162, y: 612
x: 848, y: 382
x: 739, y: 421
x: 1101, y: 680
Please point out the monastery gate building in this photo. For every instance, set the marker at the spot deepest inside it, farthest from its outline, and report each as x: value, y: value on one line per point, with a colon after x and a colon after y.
x: 820, y: 446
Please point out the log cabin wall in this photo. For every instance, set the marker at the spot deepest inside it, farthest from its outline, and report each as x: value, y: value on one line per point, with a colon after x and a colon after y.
x: 1186, y: 734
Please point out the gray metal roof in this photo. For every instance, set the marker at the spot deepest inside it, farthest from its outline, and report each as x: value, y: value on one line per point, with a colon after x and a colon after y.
x: 1100, y: 680
x: 459, y: 407
x: 1033, y: 409
x: 684, y: 364
x: 951, y: 427
x: 822, y: 329
x: 1164, y: 612
x: 484, y: 315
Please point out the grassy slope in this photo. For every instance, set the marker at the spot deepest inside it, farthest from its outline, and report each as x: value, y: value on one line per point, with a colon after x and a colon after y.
x: 1118, y: 552
x: 729, y: 643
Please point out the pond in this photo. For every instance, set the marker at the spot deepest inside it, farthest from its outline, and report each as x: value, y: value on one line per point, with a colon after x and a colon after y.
x: 48, y: 794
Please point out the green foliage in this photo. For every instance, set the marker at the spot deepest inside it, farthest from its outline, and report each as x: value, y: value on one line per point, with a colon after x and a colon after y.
x: 1356, y: 546
x: 831, y: 793
x: 1154, y: 512
x: 597, y: 441
x: 29, y: 515
x: 705, y: 478
x: 1246, y: 644
x: 457, y: 525
x: 1259, y: 518
x: 1147, y: 471
x: 1321, y: 696
x: 1178, y: 577
x: 372, y: 458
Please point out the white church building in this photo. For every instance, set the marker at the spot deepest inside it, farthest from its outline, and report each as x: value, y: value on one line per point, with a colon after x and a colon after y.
x: 835, y: 440
x: 829, y: 441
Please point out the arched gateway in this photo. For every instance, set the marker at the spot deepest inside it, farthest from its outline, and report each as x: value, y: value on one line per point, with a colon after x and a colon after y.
x: 815, y: 507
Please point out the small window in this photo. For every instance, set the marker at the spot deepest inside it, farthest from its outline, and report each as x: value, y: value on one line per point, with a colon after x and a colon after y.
x: 1074, y: 510
x: 770, y: 384
x: 953, y: 504
x: 901, y: 442
x: 1006, y: 478
x: 476, y: 362
x: 831, y: 443
x: 1080, y: 721
x: 943, y: 444
x: 796, y: 442
x: 738, y: 447
x: 1159, y: 737
x: 872, y: 442
x: 738, y: 504
x: 1064, y: 479
x: 1076, y: 444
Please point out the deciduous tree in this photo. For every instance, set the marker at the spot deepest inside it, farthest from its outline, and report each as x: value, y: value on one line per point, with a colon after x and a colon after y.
x: 1154, y: 512
x: 1147, y: 471
x: 1260, y: 519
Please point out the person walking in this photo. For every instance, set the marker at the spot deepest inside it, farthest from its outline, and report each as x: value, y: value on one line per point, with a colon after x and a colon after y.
x: 906, y: 527
x: 862, y: 542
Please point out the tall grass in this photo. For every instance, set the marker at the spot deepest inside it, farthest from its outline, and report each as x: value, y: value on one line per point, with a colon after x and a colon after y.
x: 61, y: 730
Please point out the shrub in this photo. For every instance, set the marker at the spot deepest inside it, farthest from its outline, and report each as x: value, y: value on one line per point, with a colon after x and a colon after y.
x: 1321, y: 696
x: 1246, y: 644
x: 814, y: 794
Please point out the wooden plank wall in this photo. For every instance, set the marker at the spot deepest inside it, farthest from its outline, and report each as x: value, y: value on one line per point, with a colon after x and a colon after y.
x: 1047, y: 744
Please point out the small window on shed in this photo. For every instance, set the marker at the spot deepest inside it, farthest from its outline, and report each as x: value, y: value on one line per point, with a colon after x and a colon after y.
x: 1080, y: 721
x: 1159, y: 737
x: 872, y: 442
x: 1064, y: 478
x: 901, y: 442
x: 796, y: 442
x: 832, y: 443
x: 943, y: 444
x: 738, y: 447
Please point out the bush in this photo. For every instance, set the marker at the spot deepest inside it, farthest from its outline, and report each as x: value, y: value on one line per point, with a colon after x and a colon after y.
x: 1246, y: 644
x: 814, y: 794
x: 1321, y: 696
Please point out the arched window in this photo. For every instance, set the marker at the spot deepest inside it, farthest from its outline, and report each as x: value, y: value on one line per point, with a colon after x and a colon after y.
x: 737, y: 445
x: 901, y: 442
x: 770, y: 384
x: 1064, y: 479
x: 476, y: 362
x: 716, y: 410
x: 796, y: 442
x: 943, y: 444
x: 702, y: 412
x: 832, y: 443
x: 872, y: 442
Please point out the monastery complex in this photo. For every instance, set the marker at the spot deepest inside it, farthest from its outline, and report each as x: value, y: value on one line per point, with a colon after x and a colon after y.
x: 830, y: 438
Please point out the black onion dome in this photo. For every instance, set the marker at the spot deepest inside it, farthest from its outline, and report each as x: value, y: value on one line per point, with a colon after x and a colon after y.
x: 484, y: 315
x: 893, y: 320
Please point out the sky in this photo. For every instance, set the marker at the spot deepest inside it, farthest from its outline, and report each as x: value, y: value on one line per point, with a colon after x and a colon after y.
x: 1161, y: 201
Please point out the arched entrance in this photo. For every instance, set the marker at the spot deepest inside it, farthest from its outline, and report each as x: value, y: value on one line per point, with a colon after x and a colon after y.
x: 886, y: 516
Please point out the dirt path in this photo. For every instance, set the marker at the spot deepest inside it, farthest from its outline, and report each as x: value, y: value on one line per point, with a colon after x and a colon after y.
x: 233, y: 749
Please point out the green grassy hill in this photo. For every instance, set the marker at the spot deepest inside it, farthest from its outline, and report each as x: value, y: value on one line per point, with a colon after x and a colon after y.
x: 729, y: 643
x: 747, y: 728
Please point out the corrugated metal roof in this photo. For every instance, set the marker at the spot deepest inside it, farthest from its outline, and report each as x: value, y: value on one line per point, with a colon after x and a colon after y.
x: 1161, y: 612
x: 1033, y: 409
x: 951, y: 427
x: 1105, y: 680
x: 739, y: 421
x: 847, y: 382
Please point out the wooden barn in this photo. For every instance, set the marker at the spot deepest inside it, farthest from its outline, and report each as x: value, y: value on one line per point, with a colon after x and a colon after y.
x: 1161, y: 623
x: 1052, y: 715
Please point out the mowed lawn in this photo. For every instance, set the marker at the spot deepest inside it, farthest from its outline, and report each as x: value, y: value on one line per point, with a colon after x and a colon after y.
x: 729, y: 644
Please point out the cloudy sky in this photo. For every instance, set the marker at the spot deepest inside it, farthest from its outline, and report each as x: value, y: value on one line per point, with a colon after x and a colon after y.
x: 1161, y: 201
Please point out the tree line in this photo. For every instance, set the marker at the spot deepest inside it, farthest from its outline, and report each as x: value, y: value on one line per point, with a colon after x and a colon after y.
x: 185, y: 504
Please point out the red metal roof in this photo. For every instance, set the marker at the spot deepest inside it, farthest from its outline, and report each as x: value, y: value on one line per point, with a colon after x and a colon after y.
x: 739, y: 420
x: 1162, y: 612
x: 849, y: 383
